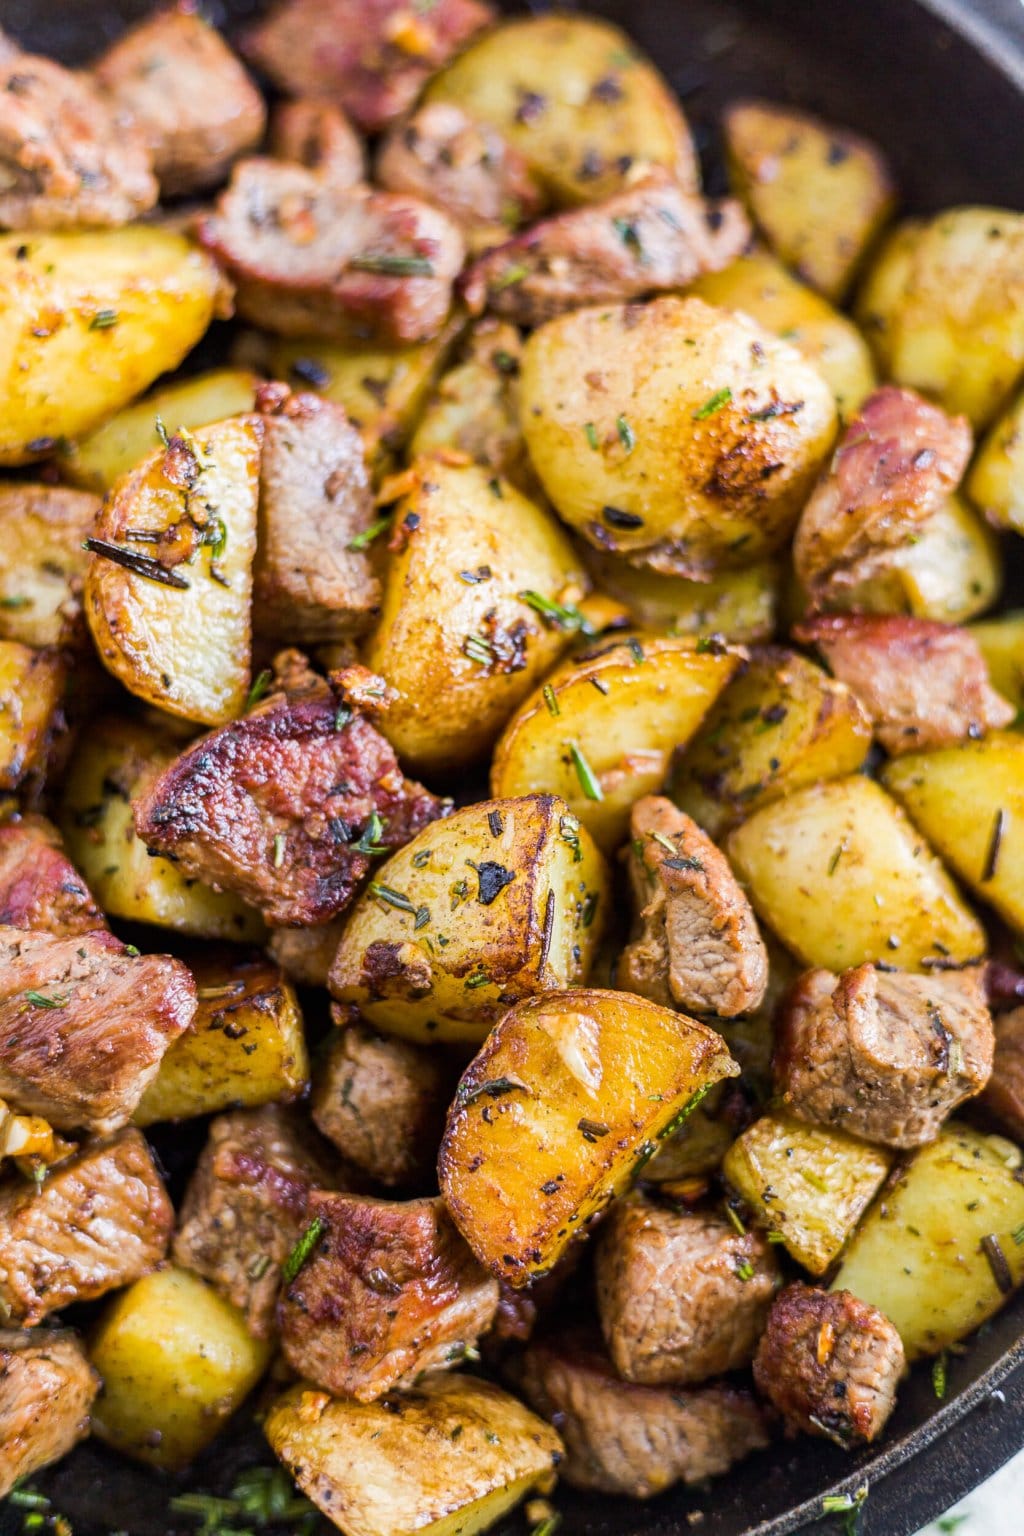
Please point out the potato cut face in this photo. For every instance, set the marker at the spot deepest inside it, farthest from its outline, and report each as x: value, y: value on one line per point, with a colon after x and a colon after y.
x: 808, y: 1184
x: 42, y: 563
x: 996, y: 480
x: 842, y: 876
x: 500, y: 901
x: 244, y: 1047
x: 176, y: 1361
x: 968, y: 800
x: 570, y: 1096
x: 782, y: 724
x: 937, y: 1254
x: 602, y: 730
x: 1002, y: 645
x: 88, y: 320
x: 574, y: 96
x: 180, y: 636
x: 445, y: 1459
x: 113, y: 763
x: 739, y: 605
x: 31, y: 685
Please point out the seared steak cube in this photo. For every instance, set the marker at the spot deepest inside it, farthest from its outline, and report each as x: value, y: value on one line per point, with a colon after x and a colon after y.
x: 1003, y: 1099
x: 39, y: 886
x: 318, y: 135
x: 47, y: 1387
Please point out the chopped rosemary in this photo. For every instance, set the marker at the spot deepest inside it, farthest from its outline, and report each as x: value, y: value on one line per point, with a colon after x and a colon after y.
x: 547, y: 1527
x: 592, y: 1130
x: 480, y: 979
x: 259, y: 1266
x: 38, y: 1000
x: 375, y: 529
x: 392, y: 897
x: 559, y: 615
x: 15, y: 602
x: 139, y: 565
x: 103, y: 319
x: 997, y: 1263
x: 494, y: 1088
x: 736, y: 1219
x: 279, y: 841
x: 685, y: 1113
x: 588, y: 780
x: 627, y: 437
x: 590, y: 432
x: 1018, y: 1235
x: 302, y: 1250
x: 259, y: 688
x: 510, y: 277
x: 393, y: 266
x: 370, y: 842
x: 627, y: 233
x: 422, y: 918
x: 744, y: 1271
x: 995, y: 843
x: 551, y: 701
x: 939, y: 1376
x: 714, y: 403
x: 479, y: 649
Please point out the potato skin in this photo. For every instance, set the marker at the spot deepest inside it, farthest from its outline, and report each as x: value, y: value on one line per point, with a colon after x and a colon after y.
x: 31, y: 685
x: 1002, y: 644
x: 739, y: 605
x: 996, y: 480
x: 709, y: 432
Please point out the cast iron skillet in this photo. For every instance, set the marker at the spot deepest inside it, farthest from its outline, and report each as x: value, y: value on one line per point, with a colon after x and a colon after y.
x: 940, y: 83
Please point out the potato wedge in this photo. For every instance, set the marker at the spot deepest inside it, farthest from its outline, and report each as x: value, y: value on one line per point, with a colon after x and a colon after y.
x: 782, y: 724
x: 684, y: 437
x: 995, y: 483
x: 1002, y: 645
x: 500, y: 901
x: 89, y: 319
x: 738, y: 605
x: 471, y: 616
x: 42, y: 562
x: 179, y: 635
x: 759, y: 285
x: 115, y: 760
x: 968, y: 800
x: 244, y: 1047
x: 568, y: 1099
x: 446, y: 1459
x: 31, y: 685
x: 808, y: 1184
x: 176, y: 1361
x: 574, y: 96
x: 938, y: 1253
x: 842, y: 876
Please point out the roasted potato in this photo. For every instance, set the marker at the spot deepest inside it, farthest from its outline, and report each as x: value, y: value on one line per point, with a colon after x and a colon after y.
x: 601, y: 731
x: 89, y: 319
x: 943, y: 308
x: 176, y: 1361
x: 31, y: 685
x: 842, y: 876
x: 472, y: 614
x: 446, y: 1459
x: 782, y: 724
x: 574, y: 96
x: 245, y: 1046
x: 1002, y: 645
x: 940, y: 1251
x: 115, y: 760
x: 500, y: 901
x: 170, y: 612
x: 568, y: 1099
x: 738, y: 605
x: 42, y: 562
x: 759, y: 285
x: 996, y: 480
x: 684, y: 437
x: 968, y: 800
x: 808, y: 1184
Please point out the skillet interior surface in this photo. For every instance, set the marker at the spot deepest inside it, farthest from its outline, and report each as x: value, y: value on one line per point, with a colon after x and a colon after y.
x: 940, y: 84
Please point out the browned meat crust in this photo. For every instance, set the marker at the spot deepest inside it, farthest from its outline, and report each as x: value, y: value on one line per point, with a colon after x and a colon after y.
x: 306, y: 954
x: 47, y: 1387
x: 84, y: 1025
x: 885, y: 1055
x: 696, y: 943
x: 1003, y: 1099
x: 99, y: 1221
x: 41, y: 596
x: 389, y: 1290
x: 39, y: 886
x: 341, y: 263
x: 318, y: 135
x: 830, y: 1364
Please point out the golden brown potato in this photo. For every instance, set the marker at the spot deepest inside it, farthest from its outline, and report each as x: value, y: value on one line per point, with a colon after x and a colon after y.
x: 568, y: 1099
x: 447, y: 1459
x: 89, y: 319
x: 170, y: 611
x: 500, y: 901
x: 843, y: 877
x: 31, y: 685
x: 42, y: 562
x: 819, y: 194
x: 996, y: 480
x: 574, y: 96
x: 684, y: 437
x: 738, y: 605
x: 1002, y: 645
x: 601, y: 731
x: 472, y: 615
x: 941, y: 1251
x: 782, y: 724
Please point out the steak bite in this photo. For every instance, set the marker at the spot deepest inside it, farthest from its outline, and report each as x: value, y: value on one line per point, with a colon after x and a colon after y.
x: 883, y: 1054
x: 341, y: 263
x: 194, y: 103
x: 245, y: 1206
x: 389, y: 1290
x: 830, y: 1364
x: 47, y: 1387
x: 696, y: 944
x: 372, y: 56
x: 39, y: 886
x: 84, y: 1025
x: 1003, y: 1098
x: 98, y: 1221
x: 633, y: 1440
x: 318, y: 135
x: 306, y: 954
x: 282, y: 805
x: 68, y: 158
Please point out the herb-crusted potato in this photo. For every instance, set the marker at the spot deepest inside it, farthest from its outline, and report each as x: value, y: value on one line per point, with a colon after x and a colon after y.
x: 808, y: 1184
x: 170, y: 612
x: 941, y: 1252
x: 996, y: 481
x: 31, y: 684
x: 684, y: 437
x: 574, y: 96
x: 42, y: 562
x: 473, y: 611
x: 500, y: 901
x: 89, y: 319
x: 601, y: 731
x: 568, y: 1099
x: 1002, y: 645
x: 738, y: 605
x: 446, y: 1459
x: 842, y: 876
